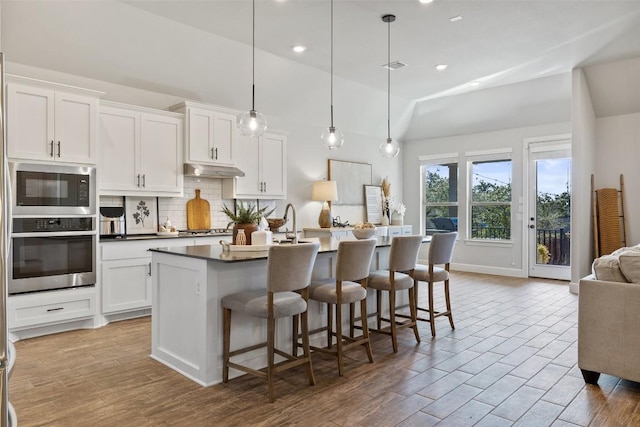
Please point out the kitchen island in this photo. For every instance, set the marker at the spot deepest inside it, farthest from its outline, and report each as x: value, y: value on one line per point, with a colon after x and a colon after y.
x: 187, y: 286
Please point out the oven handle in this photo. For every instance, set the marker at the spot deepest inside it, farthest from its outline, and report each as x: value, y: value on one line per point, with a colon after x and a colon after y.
x: 55, y: 234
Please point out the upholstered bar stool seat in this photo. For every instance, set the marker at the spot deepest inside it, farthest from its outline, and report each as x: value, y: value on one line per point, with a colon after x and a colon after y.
x: 348, y: 287
x: 439, y: 273
x: 288, y: 269
x: 399, y: 277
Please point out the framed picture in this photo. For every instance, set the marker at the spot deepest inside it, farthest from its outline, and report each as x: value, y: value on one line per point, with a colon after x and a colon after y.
x: 141, y: 215
x: 373, y: 201
x: 350, y: 177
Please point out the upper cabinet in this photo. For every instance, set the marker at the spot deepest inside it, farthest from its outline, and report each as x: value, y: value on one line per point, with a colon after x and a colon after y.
x: 140, y: 151
x: 264, y: 162
x: 51, y: 122
x: 210, y: 134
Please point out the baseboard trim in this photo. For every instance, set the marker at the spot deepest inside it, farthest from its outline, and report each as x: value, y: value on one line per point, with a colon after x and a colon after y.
x: 483, y: 269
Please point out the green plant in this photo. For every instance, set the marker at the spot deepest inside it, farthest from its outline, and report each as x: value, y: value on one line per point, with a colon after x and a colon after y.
x: 543, y: 254
x: 249, y: 214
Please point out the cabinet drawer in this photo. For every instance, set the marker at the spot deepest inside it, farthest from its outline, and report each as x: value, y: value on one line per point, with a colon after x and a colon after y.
x: 50, y: 307
x: 137, y: 249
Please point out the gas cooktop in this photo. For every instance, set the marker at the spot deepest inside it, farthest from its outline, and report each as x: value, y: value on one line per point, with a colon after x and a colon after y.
x: 210, y: 232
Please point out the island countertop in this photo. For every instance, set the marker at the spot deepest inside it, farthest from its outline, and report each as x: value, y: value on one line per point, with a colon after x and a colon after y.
x: 216, y: 253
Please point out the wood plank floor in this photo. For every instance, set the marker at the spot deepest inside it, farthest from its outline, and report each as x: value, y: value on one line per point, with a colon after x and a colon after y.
x: 510, y: 361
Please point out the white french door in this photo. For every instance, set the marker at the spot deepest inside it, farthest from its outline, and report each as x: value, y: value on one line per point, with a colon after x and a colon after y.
x: 549, y: 215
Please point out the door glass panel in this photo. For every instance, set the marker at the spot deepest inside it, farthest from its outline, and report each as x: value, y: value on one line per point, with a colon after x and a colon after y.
x: 553, y: 211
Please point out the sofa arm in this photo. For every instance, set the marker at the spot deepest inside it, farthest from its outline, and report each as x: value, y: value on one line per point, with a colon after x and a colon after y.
x: 609, y: 328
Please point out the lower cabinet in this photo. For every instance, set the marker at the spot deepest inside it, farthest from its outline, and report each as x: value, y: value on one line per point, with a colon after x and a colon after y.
x: 126, y: 285
x: 47, y: 308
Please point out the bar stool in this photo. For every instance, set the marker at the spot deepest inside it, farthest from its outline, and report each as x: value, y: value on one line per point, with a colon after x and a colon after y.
x: 440, y: 252
x: 288, y: 269
x: 399, y: 276
x: 348, y: 287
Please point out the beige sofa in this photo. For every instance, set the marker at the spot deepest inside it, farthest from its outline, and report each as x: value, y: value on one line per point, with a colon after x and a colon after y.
x: 609, y: 329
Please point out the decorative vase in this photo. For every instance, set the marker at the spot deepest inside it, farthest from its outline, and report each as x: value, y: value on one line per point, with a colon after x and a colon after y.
x: 247, y: 230
x: 241, y: 238
x: 385, y: 219
x: 397, y: 219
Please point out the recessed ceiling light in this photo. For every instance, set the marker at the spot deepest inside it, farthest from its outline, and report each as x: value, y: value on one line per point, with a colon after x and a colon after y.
x: 394, y: 65
x: 441, y: 67
x: 425, y: 1
x: 474, y: 83
x: 455, y: 18
x: 298, y: 48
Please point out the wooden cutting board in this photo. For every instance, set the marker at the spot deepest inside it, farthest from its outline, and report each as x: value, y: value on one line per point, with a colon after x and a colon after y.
x: 198, y: 213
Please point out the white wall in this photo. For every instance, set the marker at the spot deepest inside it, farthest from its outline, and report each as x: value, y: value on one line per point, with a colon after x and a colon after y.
x: 583, y: 152
x: 617, y: 151
x: 486, y: 257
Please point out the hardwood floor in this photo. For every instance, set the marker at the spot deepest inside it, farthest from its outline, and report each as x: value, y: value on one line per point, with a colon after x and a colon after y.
x: 510, y: 361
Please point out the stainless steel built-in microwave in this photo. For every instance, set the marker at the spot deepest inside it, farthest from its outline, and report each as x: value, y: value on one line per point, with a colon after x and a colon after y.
x: 48, y: 190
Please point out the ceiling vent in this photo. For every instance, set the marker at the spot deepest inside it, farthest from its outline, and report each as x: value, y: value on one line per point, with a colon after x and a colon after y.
x: 394, y: 65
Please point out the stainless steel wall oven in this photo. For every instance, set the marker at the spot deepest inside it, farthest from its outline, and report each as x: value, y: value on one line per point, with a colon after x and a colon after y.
x: 52, y: 253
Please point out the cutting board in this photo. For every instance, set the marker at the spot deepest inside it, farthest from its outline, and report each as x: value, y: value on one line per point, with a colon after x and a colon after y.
x: 198, y: 213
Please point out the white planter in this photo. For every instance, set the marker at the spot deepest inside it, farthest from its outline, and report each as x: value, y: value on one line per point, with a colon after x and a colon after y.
x: 397, y: 219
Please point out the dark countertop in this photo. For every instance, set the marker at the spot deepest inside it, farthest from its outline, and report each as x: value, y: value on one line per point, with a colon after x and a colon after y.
x: 135, y: 237
x: 215, y: 252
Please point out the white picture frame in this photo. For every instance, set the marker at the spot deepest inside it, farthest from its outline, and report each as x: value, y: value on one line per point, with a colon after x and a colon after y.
x: 373, y: 200
x: 141, y: 215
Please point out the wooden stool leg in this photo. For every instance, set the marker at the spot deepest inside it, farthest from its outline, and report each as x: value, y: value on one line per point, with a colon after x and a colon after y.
x: 446, y: 296
x: 226, y: 344
x: 379, y: 307
x: 305, y: 345
x: 295, y: 337
x: 392, y: 319
x: 365, y: 329
x: 271, y: 327
x: 339, y: 339
x: 432, y: 319
x: 414, y: 311
x: 329, y: 325
x: 352, y: 315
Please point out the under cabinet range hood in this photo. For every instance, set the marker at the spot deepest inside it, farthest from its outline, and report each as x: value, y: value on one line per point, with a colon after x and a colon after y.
x: 211, y: 171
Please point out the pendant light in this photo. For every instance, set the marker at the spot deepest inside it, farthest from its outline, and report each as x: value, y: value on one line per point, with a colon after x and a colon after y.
x: 253, y: 123
x: 390, y: 147
x: 332, y: 138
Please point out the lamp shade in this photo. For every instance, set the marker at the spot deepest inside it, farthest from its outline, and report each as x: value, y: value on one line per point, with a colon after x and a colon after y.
x: 325, y: 191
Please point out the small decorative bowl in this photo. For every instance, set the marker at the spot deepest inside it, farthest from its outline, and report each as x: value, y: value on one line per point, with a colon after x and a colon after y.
x: 275, y: 224
x: 364, y: 233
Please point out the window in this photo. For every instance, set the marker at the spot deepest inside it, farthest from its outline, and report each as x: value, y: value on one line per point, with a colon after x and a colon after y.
x: 440, y: 199
x: 490, y: 202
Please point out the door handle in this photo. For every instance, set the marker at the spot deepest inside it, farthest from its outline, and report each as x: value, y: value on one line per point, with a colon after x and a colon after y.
x: 216, y: 151
x: 144, y: 180
x: 149, y: 269
x: 532, y: 226
x: 58, y: 148
x: 212, y: 152
x: 51, y: 148
x: 138, y: 180
x: 265, y: 186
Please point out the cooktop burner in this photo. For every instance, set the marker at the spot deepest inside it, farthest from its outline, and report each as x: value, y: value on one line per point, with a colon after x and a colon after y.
x: 210, y: 232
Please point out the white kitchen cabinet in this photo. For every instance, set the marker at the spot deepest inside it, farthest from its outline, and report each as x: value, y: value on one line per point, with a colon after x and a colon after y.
x: 210, y: 134
x: 51, y: 122
x: 399, y: 230
x: 264, y: 162
x: 140, y: 151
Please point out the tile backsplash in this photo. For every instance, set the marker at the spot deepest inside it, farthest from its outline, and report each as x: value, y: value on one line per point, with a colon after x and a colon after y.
x: 175, y: 208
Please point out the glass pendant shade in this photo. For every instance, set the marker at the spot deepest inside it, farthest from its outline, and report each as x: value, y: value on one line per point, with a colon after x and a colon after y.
x: 252, y: 123
x: 332, y: 138
x: 389, y: 148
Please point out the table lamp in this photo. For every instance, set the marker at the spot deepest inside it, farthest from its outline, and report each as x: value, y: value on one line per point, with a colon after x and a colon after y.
x: 325, y: 192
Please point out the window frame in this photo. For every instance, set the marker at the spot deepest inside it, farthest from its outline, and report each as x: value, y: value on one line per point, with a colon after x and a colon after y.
x: 480, y: 157
x: 433, y: 160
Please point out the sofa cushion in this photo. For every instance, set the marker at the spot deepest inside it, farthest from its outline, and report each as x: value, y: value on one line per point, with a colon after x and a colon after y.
x: 630, y: 265
x: 607, y: 268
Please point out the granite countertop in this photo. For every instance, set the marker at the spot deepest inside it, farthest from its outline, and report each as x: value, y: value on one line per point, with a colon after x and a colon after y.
x: 135, y: 237
x: 215, y: 252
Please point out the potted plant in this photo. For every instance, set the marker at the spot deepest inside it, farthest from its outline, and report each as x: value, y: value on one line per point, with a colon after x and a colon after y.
x: 245, y: 217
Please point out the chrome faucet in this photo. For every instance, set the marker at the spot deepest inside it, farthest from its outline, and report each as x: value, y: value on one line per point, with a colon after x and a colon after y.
x: 287, y: 235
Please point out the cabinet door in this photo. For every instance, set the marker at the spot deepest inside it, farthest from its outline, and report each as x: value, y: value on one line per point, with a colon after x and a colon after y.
x: 224, y: 136
x: 274, y: 165
x: 200, y: 135
x: 30, y: 130
x: 126, y: 285
x: 75, y: 128
x: 247, y: 161
x: 119, y: 145
x: 160, y: 153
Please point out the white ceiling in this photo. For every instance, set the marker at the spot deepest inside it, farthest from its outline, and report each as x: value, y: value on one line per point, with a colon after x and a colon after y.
x: 520, y: 50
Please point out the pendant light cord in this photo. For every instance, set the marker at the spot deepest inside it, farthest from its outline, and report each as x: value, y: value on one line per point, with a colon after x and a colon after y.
x: 253, y: 58
x: 331, y: 63
x: 389, y: 80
